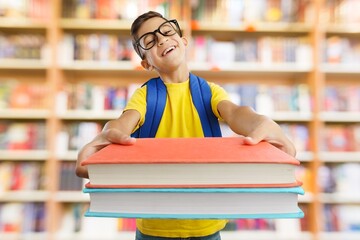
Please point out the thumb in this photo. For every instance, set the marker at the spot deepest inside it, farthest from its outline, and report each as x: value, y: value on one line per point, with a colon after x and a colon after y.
x: 118, y: 137
x: 249, y: 140
x: 254, y: 137
x: 282, y: 143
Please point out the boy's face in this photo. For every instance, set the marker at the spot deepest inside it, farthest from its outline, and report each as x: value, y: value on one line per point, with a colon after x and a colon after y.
x: 168, y: 52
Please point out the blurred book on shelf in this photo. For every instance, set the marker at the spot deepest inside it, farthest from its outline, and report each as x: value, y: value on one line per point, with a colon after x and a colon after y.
x: 342, y: 50
x: 119, y: 9
x: 97, y: 47
x: 234, y: 12
x: 336, y: 11
x: 262, y: 50
x: 15, y: 94
x: 25, y: 176
x: 91, y: 96
x: 341, y: 218
x: 343, y: 98
x: 33, y: 9
x: 341, y: 179
x: 68, y: 181
x: 269, y: 99
x: 74, y: 135
x: 341, y: 137
x: 22, y: 46
x: 22, y: 217
x: 22, y: 135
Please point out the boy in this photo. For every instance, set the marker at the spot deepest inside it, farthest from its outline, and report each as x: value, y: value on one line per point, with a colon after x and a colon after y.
x: 159, y: 43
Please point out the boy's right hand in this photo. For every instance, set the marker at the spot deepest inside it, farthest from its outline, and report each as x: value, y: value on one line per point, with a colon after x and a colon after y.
x: 115, y: 131
x: 105, y: 138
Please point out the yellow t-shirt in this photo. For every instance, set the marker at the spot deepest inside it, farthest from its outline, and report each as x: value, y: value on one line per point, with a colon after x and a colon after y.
x: 180, y: 119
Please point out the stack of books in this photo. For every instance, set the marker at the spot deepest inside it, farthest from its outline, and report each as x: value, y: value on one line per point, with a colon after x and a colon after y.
x: 192, y: 178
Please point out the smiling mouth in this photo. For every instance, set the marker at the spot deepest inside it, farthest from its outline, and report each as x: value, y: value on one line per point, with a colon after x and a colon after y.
x: 168, y: 50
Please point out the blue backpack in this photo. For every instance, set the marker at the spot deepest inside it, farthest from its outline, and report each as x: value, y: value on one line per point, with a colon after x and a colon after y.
x: 155, y: 105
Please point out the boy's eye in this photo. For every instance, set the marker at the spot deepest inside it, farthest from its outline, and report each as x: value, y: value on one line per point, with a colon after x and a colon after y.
x: 148, y: 40
x: 166, y: 29
x: 149, y: 43
x: 168, y: 32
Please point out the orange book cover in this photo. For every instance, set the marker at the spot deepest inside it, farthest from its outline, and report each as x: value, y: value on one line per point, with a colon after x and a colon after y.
x: 191, y: 162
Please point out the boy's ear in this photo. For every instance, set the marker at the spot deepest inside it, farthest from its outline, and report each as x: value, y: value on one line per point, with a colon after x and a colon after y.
x: 185, y: 41
x: 145, y: 64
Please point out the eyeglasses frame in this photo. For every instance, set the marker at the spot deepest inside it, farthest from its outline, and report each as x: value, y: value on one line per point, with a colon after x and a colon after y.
x: 137, y: 44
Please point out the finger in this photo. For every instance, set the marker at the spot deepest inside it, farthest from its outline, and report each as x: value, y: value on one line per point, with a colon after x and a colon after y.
x: 283, y: 144
x: 116, y: 136
x: 255, y: 137
x: 248, y: 140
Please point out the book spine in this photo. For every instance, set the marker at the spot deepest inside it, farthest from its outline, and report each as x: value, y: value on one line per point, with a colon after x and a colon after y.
x: 266, y: 50
x: 340, y: 137
x: 19, y: 95
x: 78, y: 134
x: 21, y: 46
x: 67, y: 179
x: 23, y: 136
x: 271, y: 99
x: 94, y: 97
x: 22, y: 217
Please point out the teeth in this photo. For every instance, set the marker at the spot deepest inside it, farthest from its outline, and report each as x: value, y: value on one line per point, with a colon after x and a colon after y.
x: 168, y: 50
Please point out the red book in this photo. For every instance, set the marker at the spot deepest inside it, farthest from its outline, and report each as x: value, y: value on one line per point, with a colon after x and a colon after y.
x: 191, y: 162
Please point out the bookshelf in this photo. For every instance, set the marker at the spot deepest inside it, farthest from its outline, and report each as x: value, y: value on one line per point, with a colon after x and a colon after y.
x: 314, y: 38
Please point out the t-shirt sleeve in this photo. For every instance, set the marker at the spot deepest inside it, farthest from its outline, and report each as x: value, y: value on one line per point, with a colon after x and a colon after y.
x: 218, y: 94
x: 138, y: 102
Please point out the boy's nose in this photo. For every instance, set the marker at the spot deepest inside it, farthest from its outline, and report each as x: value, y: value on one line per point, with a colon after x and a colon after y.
x: 161, y: 39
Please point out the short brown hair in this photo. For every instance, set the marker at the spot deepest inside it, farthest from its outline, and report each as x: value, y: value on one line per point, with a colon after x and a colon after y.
x: 137, y: 24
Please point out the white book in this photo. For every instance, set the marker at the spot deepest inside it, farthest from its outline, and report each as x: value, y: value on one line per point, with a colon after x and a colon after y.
x: 195, y: 203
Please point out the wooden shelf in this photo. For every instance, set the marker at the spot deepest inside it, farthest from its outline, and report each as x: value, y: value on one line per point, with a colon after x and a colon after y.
x: 343, y: 28
x: 307, y: 198
x: 349, y: 117
x: 24, y: 155
x: 257, y: 68
x: 17, y: 236
x: 345, y: 69
x: 340, y: 156
x: 24, y: 196
x: 24, y: 113
x: 338, y: 198
x: 339, y: 235
x: 264, y: 235
x: 288, y: 116
x: 18, y: 64
x: 109, y: 236
x: 22, y: 23
x: 281, y: 27
x: 100, y: 66
x: 95, y: 24
x: 68, y: 156
x: 305, y: 156
x: 72, y: 196
x: 89, y: 115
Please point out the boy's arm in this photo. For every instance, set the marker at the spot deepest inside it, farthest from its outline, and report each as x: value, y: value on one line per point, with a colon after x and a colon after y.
x: 254, y: 127
x: 115, y: 131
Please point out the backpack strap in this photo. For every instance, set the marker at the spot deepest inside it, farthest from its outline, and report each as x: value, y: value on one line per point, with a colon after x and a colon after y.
x: 155, y: 105
x: 201, y: 96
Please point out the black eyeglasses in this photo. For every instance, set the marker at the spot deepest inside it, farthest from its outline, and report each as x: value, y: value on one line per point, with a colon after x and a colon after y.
x: 148, y: 40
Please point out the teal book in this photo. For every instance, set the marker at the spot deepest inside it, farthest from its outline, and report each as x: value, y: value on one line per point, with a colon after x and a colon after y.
x: 194, y: 203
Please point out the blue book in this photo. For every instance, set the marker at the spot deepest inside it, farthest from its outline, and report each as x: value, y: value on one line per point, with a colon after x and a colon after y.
x: 195, y: 203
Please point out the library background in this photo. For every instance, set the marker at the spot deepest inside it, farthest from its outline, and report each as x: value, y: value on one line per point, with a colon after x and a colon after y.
x: 66, y: 67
